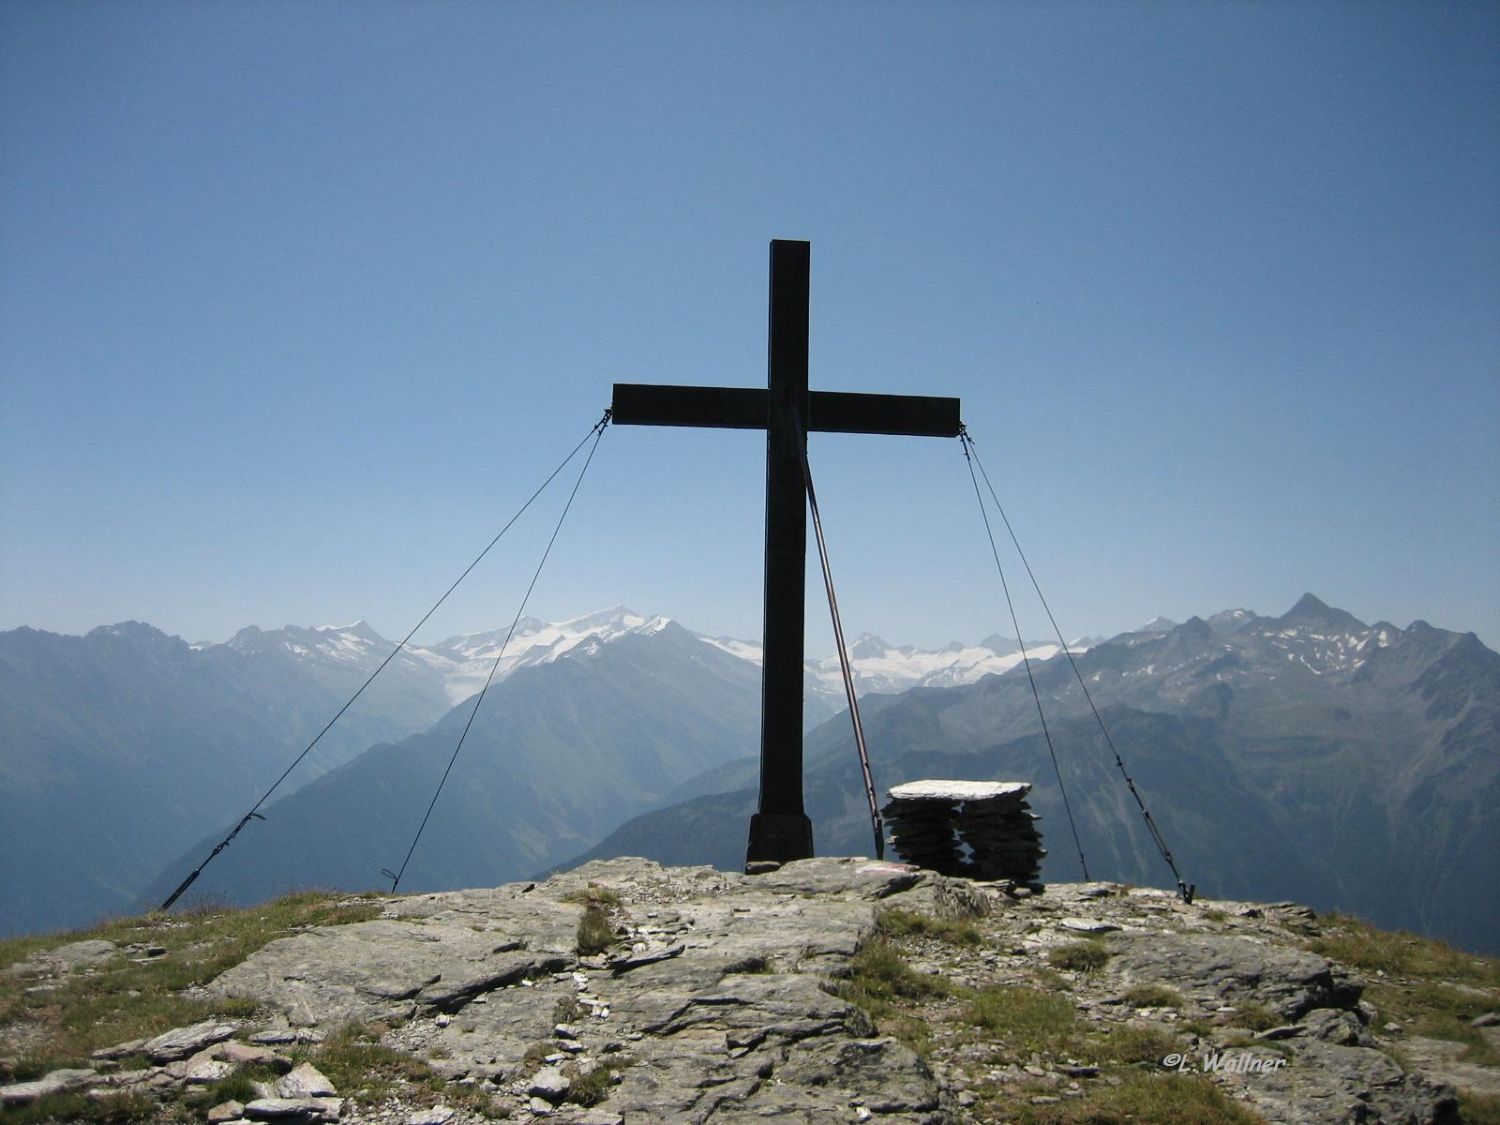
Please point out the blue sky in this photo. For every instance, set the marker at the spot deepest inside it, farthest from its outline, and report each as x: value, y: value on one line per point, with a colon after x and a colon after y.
x: 298, y: 301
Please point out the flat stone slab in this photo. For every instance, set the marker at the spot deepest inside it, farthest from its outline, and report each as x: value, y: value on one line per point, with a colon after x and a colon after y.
x: 1237, y: 970
x: 295, y: 1109
x: 958, y: 790
x: 57, y: 1082
x: 66, y: 958
x: 183, y: 1042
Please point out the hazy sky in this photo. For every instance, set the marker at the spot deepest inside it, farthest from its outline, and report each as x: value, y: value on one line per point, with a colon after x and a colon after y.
x: 298, y: 301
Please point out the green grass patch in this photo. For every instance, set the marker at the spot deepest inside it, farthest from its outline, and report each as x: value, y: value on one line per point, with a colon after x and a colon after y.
x: 357, y: 1064
x: 1356, y: 943
x: 1438, y: 1011
x: 120, y: 1000
x: 884, y: 985
x: 354, y: 1059
x: 879, y: 971
x: 592, y: 1086
x: 116, y: 1109
x: 908, y: 923
x: 1131, y: 1043
x: 1478, y: 1109
x: 1427, y: 986
x: 1255, y: 1017
x: 1079, y: 956
x: 1153, y: 996
x: 1020, y: 1022
x: 1161, y: 1099
x: 238, y: 1087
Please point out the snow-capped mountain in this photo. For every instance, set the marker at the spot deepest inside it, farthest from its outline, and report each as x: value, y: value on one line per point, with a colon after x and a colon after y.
x: 451, y: 671
x: 454, y: 669
x: 888, y: 669
x: 465, y: 661
x: 883, y: 668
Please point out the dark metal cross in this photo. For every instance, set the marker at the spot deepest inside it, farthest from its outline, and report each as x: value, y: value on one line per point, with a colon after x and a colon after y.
x: 787, y: 411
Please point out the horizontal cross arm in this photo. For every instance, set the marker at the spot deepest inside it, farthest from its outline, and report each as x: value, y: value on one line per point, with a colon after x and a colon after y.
x: 840, y: 412
x: 744, y: 408
x: 645, y: 404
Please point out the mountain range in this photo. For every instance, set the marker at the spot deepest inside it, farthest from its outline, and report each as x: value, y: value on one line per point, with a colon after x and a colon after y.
x: 423, y: 680
x: 1307, y: 755
x: 123, y: 750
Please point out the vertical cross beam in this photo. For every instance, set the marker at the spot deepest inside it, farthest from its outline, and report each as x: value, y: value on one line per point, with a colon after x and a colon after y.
x: 781, y: 830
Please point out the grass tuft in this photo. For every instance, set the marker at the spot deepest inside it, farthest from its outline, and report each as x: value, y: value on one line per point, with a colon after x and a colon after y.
x: 353, y: 1058
x: 1356, y: 943
x: 595, y: 934
x: 1153, y: 996
x: 883, y: 984
x: 879, y: 972
x: 592, y: 1086
x: 1256, y: 1017
x: 1079, y: 956
x: 1022, y: 1021
x: 1162, y: 1099
x: 1133, y: 1043
x: 904, y: 923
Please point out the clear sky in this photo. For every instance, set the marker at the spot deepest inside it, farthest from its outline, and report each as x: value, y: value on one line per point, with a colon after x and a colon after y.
x: 298, y: 301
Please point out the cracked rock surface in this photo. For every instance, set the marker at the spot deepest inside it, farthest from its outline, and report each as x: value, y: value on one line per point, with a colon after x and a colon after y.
x: 717, y: 999
x: 718, y: 1006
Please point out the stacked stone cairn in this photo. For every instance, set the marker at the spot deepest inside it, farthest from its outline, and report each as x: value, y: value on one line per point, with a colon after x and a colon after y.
x: 932, y: 822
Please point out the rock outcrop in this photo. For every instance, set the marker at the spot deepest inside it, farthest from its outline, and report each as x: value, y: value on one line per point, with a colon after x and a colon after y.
x: 717, y: 1006
x: 726, y: 998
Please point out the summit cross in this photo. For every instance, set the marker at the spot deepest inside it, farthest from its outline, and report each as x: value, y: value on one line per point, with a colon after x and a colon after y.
x: 787, y: 411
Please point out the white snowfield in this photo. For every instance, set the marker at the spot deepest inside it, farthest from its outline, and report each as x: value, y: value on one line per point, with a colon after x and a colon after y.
x: 464, y: 661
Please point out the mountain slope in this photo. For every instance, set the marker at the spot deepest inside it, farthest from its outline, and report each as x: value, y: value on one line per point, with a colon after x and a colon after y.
x: 558, y: 755
x: 1312, y: 756
x: 120, y: 748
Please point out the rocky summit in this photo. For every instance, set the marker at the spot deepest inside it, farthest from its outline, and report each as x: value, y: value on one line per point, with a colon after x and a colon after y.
x: 834, y: 989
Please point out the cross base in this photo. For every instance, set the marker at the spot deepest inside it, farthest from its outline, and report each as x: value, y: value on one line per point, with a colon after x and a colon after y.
x: 779, y: 837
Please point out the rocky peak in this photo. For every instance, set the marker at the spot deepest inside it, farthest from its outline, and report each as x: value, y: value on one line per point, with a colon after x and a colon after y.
x: 1312, y: 612
x: 833, y: 989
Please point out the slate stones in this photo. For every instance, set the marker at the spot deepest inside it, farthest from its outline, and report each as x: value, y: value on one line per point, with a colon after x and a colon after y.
x: 57, y: 1082
x: 975, y: 829
x: 183, y: 1042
